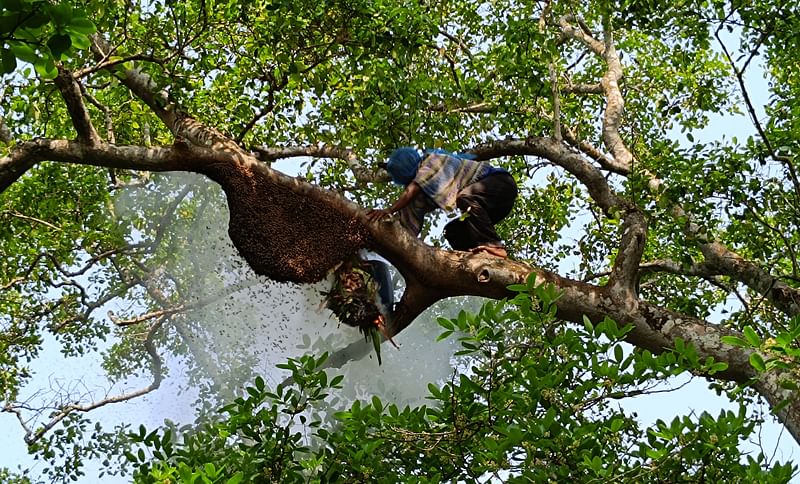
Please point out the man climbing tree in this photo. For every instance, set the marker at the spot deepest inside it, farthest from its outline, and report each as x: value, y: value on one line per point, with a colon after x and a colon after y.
x: 484, y: 194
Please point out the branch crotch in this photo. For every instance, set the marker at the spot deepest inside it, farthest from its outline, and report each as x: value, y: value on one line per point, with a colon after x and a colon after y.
x: 416, y: 299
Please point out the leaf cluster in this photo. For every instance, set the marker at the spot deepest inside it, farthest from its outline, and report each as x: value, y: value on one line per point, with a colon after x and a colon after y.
x: 531, y: 401
x: 41, y: 33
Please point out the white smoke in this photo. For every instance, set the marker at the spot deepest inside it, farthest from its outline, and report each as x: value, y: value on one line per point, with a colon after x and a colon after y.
x: 264, y: 323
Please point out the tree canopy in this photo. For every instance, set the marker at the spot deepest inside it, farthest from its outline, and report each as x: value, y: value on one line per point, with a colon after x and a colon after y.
x: 635, y: 224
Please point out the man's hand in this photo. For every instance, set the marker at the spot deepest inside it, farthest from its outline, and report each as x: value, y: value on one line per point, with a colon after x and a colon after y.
x: 377, y: 214
x: 411, y: 191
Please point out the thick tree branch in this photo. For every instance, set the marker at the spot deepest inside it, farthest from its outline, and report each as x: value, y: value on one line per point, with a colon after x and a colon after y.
x: 449, y: 273
x: 556, y: 103
x: 16, y: 163
x: 720, y: 259
x: 443, y: 274
x: 615, y: 105
x: 71, y: 92
x: 569, y: 31
x: 28, y: 153
x: 671, y: 267
x: 107, y: 62
x: 5, y: 133
x: 558, y: 154
x: 726, y: 262
x: 655, y: 328
x: 622, y: 161
x: 583, y: 88
x: 567, y: 133
x: 182, y: 125
x: 634, y: 227
x: 140, y: 85
x: 723, y: 261
x: 189, y: 158
x: 586, y: 148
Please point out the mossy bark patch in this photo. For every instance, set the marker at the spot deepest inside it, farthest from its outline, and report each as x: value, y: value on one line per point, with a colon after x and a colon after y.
x: 282, y: 234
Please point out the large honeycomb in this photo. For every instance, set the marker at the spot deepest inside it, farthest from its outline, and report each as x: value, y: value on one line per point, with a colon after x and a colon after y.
x: 281, y: 234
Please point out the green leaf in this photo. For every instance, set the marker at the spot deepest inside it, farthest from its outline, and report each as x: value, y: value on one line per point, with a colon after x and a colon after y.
x: 717, y: 367
x: 444, y: 335
x: 58, y: 44
x: 780, y: 406
x: 445, y: 323
x: 734, y: 341
x: 24, y: 52
x: 618, y: 353
x: 81, y: 25
x: 343, y: 415
x: 236, y: 478
x: 80, y: 41
x: 61, y: 13
x: 587, y: 324
x: 518, y: 288
x: 185, y: 473
x: 36, y: 20
x: 376, y: 343
x: 9, y: 61
x: 758, y: 362
x: 335, y: 381
x: 751, y: 336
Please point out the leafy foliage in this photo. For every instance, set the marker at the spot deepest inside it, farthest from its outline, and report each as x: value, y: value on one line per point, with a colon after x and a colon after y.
x: 42, y: 33
x: 526, y: 406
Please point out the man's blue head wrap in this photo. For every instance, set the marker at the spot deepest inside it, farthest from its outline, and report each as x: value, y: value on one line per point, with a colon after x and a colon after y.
x: 403, y: 164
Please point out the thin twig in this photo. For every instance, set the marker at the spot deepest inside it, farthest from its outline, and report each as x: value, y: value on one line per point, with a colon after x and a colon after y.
x: 63, y: 412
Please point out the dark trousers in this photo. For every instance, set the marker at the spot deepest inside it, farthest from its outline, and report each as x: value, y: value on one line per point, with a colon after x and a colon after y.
x: 485, y: 203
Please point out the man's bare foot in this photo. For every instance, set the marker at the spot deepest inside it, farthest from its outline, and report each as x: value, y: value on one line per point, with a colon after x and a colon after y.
x: 491, y: 250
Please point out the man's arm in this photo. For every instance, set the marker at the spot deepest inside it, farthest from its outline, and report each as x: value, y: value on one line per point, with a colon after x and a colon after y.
x: 411, y: 191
